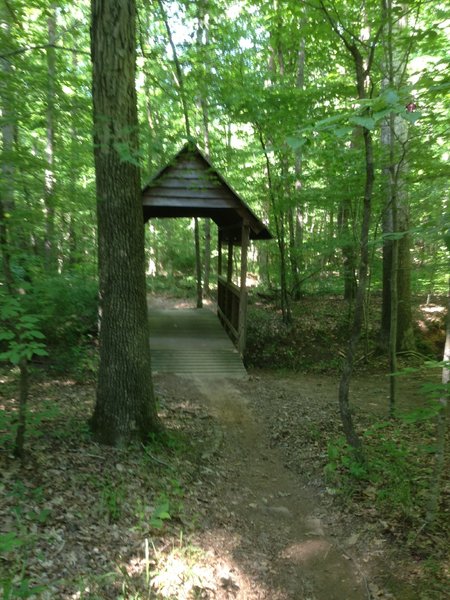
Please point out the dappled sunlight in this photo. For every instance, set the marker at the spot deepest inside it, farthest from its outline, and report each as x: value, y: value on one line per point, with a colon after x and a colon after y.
x: 432, y: 308
x: 307, y: 550
x: 6, y: 379
x: 170, y: 303
x: 185, y: 570
x: 50, y: 383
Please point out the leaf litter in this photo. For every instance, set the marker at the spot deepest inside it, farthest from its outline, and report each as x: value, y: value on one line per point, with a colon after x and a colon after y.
x: 192, y: 520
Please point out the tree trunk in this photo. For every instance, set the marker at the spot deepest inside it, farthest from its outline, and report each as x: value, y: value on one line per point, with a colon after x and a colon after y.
x: 49, y: 178
x: 125, y: 408
x: 7, y: 136
x: 296, y: 214
x: 393, y: 328
x: 387, y: 273
x: 294, y: 251
x: 281, y: 238
x: 405, y: 332
x: 344, y: 385
x: 202, y: 47
x: 22, y: 416
x: 362, y: 73
x: 395, y: 137
x: 347, y: 249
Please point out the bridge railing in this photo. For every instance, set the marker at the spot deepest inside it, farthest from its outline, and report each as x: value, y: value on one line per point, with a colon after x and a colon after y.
x: 228, y: 298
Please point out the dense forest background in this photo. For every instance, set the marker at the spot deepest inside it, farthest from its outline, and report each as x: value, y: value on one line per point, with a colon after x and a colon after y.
x: 272, y: 95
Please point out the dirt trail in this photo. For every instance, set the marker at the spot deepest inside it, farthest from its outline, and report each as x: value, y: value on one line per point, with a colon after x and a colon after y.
x: 265, y: 519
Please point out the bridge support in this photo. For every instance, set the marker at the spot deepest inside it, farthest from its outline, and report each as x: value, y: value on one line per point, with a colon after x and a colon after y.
x: 232, y: 299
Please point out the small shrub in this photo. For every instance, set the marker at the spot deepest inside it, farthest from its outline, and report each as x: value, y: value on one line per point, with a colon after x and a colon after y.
x: 395, y: 475
x: 68, y: 310
x: 269, y: 341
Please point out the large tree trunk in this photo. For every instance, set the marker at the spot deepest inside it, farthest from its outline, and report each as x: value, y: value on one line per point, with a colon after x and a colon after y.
x: 394, y: 137
x: 125, y: 408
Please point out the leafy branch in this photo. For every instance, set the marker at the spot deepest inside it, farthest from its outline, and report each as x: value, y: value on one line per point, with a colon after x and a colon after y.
x: 23, y: 340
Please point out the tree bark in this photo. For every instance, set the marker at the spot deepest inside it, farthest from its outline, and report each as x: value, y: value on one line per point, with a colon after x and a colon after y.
x: 347, y: 249
x: 296, y: 214
x: 202, y: 47
x: 49, y: 176
x: 344, y: 385
x: 363, y: 66
x: 281, y: 238
x: 394, y: 136
x: 7, y: 186
x: 125, y: 408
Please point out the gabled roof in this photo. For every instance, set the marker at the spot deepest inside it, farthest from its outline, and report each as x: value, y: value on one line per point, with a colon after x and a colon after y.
x: 189, y: 186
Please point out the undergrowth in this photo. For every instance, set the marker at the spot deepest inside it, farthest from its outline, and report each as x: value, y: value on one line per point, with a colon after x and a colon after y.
x: 126, y: 503
x: 392, y: 488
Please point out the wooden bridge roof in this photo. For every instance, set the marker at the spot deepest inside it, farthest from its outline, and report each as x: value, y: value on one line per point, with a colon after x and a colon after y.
x: 189, y: 186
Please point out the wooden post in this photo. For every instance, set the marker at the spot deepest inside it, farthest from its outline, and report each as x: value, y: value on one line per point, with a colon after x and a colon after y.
x: 219, y: 252
x: 242, y: 329
x: 230, y: 261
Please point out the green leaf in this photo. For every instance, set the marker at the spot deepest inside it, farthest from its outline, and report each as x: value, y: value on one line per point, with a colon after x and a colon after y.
x: 124, y: 151
x: 14, y: 357
x: 366, y: 122
x: 390, y: 96
x: 10, y: 541
x: 411, y: 117
x: 37, y: 334
x: 6, y: 335
x: 394, y: 235
x: 296, y: 142
x: 325, y: 123
x: 378, y: 116
x: 28, y: 320
x: 40, y: 352
x: 342, y: 132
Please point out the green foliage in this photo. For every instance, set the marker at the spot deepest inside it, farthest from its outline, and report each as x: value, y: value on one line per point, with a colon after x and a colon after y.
x: 396, y: 473
x: 20, y: 331
x: 34, y: 418
x: 68, y: 309
x: 175, y: 286
x: 22, y: 589
x: 16, y: 545
x: 111, y: 501
x: 160, y: 512
x: 10, y: 541
x: 269, y: 341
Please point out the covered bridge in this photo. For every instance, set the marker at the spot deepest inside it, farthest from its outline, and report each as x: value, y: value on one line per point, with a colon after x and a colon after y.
x: 189, y: 186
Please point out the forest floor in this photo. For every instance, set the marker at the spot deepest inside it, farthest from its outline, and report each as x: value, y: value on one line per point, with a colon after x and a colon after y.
x: 236, y: 504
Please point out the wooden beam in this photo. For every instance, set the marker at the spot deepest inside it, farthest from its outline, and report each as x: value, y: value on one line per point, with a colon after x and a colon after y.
x: 230, y: 262
x: 219, y: 253
x: 242, y: 328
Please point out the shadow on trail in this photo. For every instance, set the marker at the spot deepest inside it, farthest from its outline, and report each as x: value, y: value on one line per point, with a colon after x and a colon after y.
x: 262, y: 518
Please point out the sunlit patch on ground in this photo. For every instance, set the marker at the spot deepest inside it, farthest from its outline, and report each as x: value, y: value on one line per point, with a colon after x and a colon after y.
x: 307, y: 550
